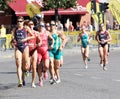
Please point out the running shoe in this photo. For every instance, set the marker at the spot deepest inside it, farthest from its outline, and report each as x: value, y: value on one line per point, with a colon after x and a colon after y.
x: 50, y: 80
x: 53, y: 81
x: 101, y: 65
x: 27, y: 74
x: 23, y: 83
x: 19, y: 85
x: 104, y: 68
x: 58, y: 81
x: 45, y: 75
x: 41, y: 83
x: 33, y: 85
x: 86, y: 66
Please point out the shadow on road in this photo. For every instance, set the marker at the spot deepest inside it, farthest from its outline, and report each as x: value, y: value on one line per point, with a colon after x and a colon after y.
x: 7, y: 72
x: 6, y: 87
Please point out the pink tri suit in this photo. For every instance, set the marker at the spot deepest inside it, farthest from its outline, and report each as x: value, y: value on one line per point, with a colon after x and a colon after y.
x: 32, y: 44
x: 42, y: 50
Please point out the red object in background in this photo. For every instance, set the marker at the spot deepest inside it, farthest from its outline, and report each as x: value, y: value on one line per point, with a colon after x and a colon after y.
x: 20, y: 8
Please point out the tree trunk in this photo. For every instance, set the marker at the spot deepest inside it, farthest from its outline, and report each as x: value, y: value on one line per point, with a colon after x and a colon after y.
x: 56, y: 15
x: 56, y: 10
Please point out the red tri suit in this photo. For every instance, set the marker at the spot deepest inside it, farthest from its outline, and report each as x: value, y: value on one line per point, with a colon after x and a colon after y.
x: 42, y: 50
x: 32, y: 44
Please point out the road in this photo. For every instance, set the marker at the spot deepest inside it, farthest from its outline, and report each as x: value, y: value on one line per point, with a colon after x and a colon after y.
x: 77, y: 82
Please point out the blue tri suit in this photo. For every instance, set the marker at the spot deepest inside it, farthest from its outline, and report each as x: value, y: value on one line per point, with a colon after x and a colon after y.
x: 19, y: 35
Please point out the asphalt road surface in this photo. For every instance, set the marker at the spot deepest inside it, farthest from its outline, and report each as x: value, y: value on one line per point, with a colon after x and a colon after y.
x: 76, y: 81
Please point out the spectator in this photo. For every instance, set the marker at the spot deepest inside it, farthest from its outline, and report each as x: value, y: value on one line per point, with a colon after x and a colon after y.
x: 66, y: 27
x: 77, y: 26
x: 71, y: 27
x: 3, y: 36
x: 115, y: 25
x: 89, y: 27
x: 108, y: 26
x: 59, y: 26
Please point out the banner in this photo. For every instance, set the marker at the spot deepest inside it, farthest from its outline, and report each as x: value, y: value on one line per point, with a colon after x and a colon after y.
x: 33, y: 7
x: 96, y: 16
x: 114, y: 6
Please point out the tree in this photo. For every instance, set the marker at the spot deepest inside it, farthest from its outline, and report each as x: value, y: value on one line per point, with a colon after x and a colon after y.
x: 55, y: 4
x: 3, y: 4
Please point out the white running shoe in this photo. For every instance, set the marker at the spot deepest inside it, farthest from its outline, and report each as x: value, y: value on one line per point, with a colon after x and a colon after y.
x: 86, y: 66
x: 101, y: 65
x: 58, y: 81
x: 104, y: 68
x: 33, y: 85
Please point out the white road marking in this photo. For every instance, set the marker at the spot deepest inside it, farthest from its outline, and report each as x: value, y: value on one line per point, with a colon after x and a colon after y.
x: 93, y: 77
x: 78, y: 74
x: 117, y: 80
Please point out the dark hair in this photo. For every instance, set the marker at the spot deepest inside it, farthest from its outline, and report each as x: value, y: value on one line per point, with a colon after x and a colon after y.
x: 26, y: 22
x: 20, y: 17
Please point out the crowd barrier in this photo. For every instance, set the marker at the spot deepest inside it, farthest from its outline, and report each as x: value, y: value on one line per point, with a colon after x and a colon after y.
x: 8, y: 40
x: 72, y: 39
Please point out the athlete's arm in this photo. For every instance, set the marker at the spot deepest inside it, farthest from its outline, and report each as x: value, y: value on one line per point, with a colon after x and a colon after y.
x: 97, y: 38
x: 13, y: 41
x: 31, y: 34
x: 79, y: 37
x: 109, y: 37
x: 39, y: 40
x: 50, y: 36
x: 90, y: 37
x: 64, y: 39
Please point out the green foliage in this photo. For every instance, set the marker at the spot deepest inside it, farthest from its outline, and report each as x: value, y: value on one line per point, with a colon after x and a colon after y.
x: 3, y: 4
x: 53, y: 4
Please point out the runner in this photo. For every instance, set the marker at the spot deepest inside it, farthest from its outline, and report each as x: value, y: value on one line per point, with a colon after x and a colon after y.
x: 103, y: 37
x: 47, y: 26
x: 55, y: 53
x: 33, y: 52
x: 42, y: 49
x: 19, y: 41
x: 84, y: 36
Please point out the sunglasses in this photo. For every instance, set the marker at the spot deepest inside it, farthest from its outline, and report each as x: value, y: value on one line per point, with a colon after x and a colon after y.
x: 31, y: 24
x: 41, y: 26
x: 20, y: 21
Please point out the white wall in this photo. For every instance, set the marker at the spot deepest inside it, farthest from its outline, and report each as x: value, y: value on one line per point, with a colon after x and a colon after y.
x: 103, y: 0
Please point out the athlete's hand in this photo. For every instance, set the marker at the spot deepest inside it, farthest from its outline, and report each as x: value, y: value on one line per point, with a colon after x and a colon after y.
x: 39, y: 44
x: 50, y: 47
x: 103, y: 41
x: 61, y: 48
x: 24, y: 40
x: 13, y: 43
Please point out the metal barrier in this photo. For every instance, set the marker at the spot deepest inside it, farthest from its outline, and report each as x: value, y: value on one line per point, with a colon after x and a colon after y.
x: 72, y: 40
x: 5, y: 42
